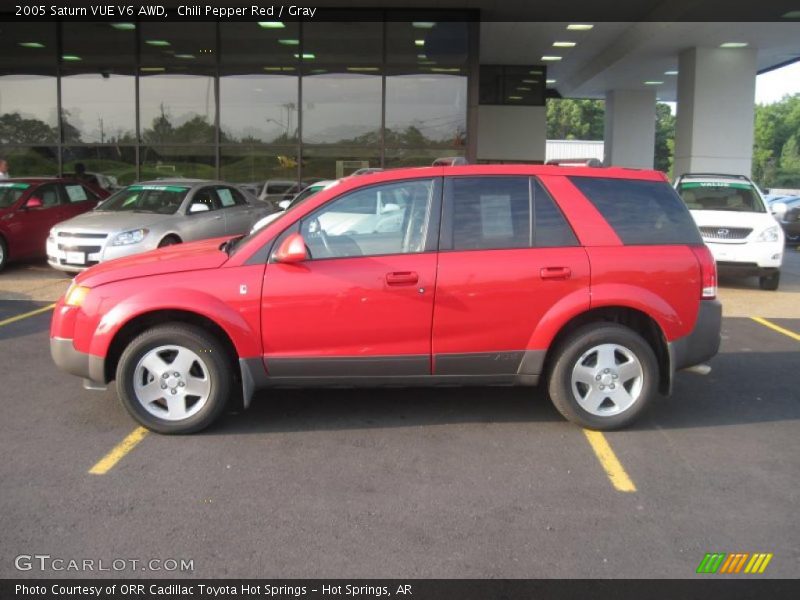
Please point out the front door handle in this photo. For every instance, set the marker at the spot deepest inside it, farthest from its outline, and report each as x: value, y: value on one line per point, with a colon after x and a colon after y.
x: 555, y: 273
x: 402, y: 278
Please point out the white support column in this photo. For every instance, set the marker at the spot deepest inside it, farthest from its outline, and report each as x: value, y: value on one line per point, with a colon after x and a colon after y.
x: 630, y: 128
x: 716, y: 104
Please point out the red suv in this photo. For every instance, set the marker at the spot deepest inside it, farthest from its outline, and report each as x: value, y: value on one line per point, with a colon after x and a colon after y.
x: 29, y: 207
x: 594, y: 282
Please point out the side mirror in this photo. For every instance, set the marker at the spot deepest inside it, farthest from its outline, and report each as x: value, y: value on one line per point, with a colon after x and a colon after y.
x: 292, y: 250
x: 284, y: 204
x: 34, y: 203
x: 197, y: 207
x: 778, y: 209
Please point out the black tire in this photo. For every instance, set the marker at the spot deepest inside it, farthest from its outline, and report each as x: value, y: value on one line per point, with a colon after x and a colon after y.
x: 770, y: 282
x: 566, y: 358
x: 215, y: 367
x: 3, y: 253
x: 169, y: 240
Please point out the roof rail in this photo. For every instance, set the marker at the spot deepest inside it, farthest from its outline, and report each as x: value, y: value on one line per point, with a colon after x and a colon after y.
x: 722, y: 175
x: 575, y: 162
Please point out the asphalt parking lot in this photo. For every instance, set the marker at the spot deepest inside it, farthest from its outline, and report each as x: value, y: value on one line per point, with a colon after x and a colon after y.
x: 438, y: 483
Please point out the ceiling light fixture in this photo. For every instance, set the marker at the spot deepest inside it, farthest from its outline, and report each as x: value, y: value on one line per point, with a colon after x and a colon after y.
x: 289, y: 42
x: 551, y: 58
x: 271, y: 25
x: 733, y: 45
x: 31, y: 44
x: 670, y: 72
x: 157, y: 42
x: 580, y: 26
x: 123, y: 26
x: 653, y: 82
x: 423, y: 24
x: 564, y: 44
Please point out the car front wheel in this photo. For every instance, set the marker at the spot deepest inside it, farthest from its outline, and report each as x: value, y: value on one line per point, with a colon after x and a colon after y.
x: 603, y: 377
x: 174, y: 379
x: 770, y: 282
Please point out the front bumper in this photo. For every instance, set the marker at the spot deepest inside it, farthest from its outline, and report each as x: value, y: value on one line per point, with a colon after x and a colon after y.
x: 74, y: 256
x: 758, y: 255
x: 703, y: 342
x: 75, y: 362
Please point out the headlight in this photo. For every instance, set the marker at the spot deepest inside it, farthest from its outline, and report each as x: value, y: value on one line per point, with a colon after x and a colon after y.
x: 75, y: 295
x: 134, y: 236
x: 770, y: 234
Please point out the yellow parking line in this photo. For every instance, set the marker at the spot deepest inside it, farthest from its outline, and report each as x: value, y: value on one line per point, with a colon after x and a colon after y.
x: 778, y: 328
x: 613, y: 468
x: 32, y: 313
x: 105, y: 464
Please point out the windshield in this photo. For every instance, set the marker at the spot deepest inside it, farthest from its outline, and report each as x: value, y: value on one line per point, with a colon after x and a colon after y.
x: 159, y: 199
x: 708, y: 195
x: 10, y: 193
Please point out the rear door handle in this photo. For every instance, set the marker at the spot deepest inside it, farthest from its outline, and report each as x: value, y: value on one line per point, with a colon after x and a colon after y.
x: 402, y: 278
x: 555, y: 272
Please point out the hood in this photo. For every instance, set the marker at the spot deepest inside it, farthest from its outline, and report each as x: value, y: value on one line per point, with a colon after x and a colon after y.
x: 193, y: 256
x: 725, y: 218
x: 108, y: 221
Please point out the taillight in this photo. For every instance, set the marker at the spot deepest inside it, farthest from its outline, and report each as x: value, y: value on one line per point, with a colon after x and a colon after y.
x: 708, y: 271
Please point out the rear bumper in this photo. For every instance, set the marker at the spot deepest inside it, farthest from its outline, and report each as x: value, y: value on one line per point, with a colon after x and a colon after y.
x: 703, y: 342
x: 75, y: 362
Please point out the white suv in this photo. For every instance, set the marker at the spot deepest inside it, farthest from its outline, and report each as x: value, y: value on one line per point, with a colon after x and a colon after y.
x: 741, y: 233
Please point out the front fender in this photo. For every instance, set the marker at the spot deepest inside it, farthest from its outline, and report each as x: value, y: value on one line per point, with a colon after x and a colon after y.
x: 244, y: 336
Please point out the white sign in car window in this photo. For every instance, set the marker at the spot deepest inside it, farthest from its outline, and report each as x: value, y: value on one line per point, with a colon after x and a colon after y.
x: 76, y: 193
x: 225, y: 197
x: 496, y: 217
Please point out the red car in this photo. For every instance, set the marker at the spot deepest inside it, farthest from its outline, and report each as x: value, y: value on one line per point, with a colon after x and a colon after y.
x: 593, y: 282
x: 29, y: 207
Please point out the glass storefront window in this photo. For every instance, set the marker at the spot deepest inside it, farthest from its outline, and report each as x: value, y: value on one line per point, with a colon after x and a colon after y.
x: 256, y: 164
x: 162, y: 162
x: 177, y: 109
x: 112, y: 166
x: 98, y: 108
x: 333, y: 162
x: 28, y: 113
x: 259, y: 109
x: 342, y: 108
x: 28, y: 161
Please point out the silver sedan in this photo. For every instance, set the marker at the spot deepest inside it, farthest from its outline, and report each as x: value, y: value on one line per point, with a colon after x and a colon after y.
x: 149, y: 215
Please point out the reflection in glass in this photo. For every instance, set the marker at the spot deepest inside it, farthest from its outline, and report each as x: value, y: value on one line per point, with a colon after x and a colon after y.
x: 166, y: 162
x: 259, y: 108
x: 185, y: 47
x: 417, y: 157
x: 177, y: 109
x: 256, y: 164
x: 28, y: 109
x: 353, y: 44
x: 113, y: 166
x: 333, y: 162
x: 426, y: 110
x: 342, y: 108
x: 30, y: 161
x: 98, y: 108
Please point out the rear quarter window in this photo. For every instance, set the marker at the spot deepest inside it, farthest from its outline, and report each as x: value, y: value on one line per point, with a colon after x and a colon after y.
x: 641, y: 212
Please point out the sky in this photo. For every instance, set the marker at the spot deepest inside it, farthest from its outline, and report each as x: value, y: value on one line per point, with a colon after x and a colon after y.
x: 772, y: 86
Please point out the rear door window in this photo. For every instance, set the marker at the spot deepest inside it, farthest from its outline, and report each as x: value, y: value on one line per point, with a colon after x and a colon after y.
x: 641, y: 212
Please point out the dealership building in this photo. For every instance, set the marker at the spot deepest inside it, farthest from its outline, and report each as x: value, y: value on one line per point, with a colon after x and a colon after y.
x: 254, y: 100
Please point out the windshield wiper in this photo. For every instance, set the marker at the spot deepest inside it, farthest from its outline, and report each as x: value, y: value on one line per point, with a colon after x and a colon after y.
x: 230, y: 244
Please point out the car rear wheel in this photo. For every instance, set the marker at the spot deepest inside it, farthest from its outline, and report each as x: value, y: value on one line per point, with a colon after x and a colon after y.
x: 3, y: 253
x: 169, y: 240
x: 770, y: 282
x: 174, y: 379
x: 603, y: 377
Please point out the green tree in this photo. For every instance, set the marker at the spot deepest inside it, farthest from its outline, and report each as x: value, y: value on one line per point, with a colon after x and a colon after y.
x: 575, y: 119
x: 665, y: 138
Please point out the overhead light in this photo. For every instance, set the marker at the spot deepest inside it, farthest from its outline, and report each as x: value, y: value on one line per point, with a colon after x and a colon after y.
x: 670, y: 72
x: 551, y: 58
x: 419, y: 42
x: 653, y: 82
x: 515, y: 97
x: 306, y: 56
x: 535, y: 72
x: 152, y: 69
x: 423, y: 24
x: 271, y: 25
x: 422, y: 56
x: 427, y: 62
x: 792, y: 14
x: 445, y: 70
x: 71, y: 58
x: 530, y: 81
x: 564, y: 44
x: 549, y: 81
x: 185, y: 56
x: 279, y: 68
x: 157, y: 42
x: 364, y: 69
x: 523, y: 89
x: 123, y: 26
x: 31, y: 44
x: 289, y: 42
x: 733, y: 45
x: 579, y: 26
